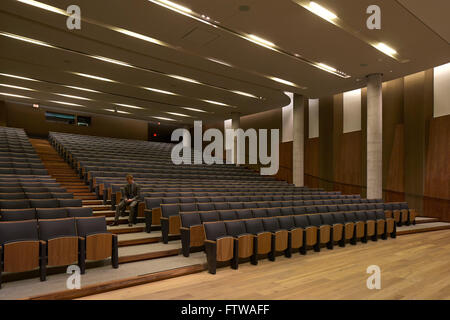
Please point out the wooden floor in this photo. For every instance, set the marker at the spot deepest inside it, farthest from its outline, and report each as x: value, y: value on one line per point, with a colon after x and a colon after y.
x: 412, y: 266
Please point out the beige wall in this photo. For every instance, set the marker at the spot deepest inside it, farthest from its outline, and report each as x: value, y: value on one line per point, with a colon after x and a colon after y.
x: 34, y: 123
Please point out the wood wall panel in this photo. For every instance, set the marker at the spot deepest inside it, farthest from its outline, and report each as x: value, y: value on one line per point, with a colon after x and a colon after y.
x: 3, y: 114
x: 437, y: 178
x: 395, y: 168
x: 35, y: 124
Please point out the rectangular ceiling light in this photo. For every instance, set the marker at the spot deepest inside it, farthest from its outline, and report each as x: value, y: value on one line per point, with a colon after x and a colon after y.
x: 138, y: 36
x: 67, y: 103
x: 29, y: 40
x: 128, y: 106
x: 163, y: 118
x: 385, y: 49
x: 194, y: 109
x: 173, y: 5
x: 17, y: 77
x: 123, y: 112
x: 159, y: 91
x: 13, y: 95
x: 220, y: 62
x: 105, y: 59
x: 179, y: 114
x: 321, y: 11
x: 72, y: 97
x: 44, y: 6
x: 262, y: 41
x: 15, y: 87
x: 217, y: 103
x: 244, y: 94
x: 82, y: 89
x: 288, y: 83
x: 93, y: 77
x: 183, y: 78
x: 326, y: 67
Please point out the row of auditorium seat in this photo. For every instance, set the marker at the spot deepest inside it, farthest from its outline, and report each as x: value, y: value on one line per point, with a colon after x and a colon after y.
x: 44, y: 213
x: 39, y: 203
x: 54, y: 243
x: 32, y: 196
x: 238, y: 240
x: 23, y: 171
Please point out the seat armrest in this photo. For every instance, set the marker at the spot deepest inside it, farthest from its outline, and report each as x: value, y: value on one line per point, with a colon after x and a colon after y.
x: 184, y: 228
x: 210, y: 241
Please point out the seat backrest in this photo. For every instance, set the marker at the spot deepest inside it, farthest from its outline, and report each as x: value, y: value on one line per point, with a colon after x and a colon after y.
x: 208, y: 216
x: 221, y: 205
x: 235, y: 228
x: 12, y: 196
x: 339, y: 217
x: 70, y: 203
x: 214, y: 230
x: 301, y: 221
x: 44, y: 203
x: 51, y: 213
x: 259, y: 213
x: 208, y: 206
x: 371, y: 215
x: 361, y: 215
x: 168, y: 210
x: 18, y: 230
x: 332, y: 208
x: 287, y: 211
x: 349, y: 216
x: 18, y: 214
x: 227, y: 214
x: 79, y: 212
x: 327, y: 218
x: 271, y: 224
x: 14, y: 204
x: 236, y: 205
x: 314, y: 220
x: 190, y: 219
x: 188, y: 207
x: 274, y: 212
x: 244, y: 214
x: 254, y: 226
x: 90, y: 225
x: 54, y: 228
x: 286, y: 223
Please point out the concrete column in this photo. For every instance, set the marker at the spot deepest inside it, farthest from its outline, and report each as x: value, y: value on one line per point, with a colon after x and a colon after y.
x: 374, y: 137
x: 235, y: 124
x: 298, y: 161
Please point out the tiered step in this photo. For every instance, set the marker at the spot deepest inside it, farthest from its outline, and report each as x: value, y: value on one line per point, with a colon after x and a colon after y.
x: 61, y: 171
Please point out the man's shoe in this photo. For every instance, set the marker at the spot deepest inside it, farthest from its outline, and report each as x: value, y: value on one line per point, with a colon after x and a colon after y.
x: 130, y: 224
x: 115, y: 223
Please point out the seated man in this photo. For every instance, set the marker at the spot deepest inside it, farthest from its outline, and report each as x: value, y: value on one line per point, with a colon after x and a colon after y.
x: 131, y: 195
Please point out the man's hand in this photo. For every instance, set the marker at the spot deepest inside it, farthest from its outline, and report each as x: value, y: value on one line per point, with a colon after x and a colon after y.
x: 129, y: 200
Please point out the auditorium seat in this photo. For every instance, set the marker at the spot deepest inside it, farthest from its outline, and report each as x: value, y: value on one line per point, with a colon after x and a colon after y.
x: 18, y: 214
x: 279, y: 237
x: 263, y: 238
x: 79, y: 212
x: 20, y: 248
x: 244, y: 242
x: 192, y: 232
x: 99, y: 243
x: 62, y: 242
x: 218, y: 245
x: 51, y: 213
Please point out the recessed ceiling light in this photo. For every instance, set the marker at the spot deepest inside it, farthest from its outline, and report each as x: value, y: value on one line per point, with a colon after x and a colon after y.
x: 15, y: 87
x: 121, y: 63
x: 17, y: 77
x: 124, y: 112
x: 216, y: 102
x: 70, y: 96
x: 66, y: 103
x: 183, y: 78
x: 244, y: 94
x: 128, y: 106
x: 82, y: 89
x: 138, y: 36
x: 385, y: 49
x: 321, y: 11
x: 288, y: 83
x: 14, y: 95
x: 159, y: 91
x: 93, y: 77
x: 326, y: 67
x: 179, y: 114
x: 163, y: 118
x: 29, y: 40
x: 220, y: 62
x: 194, y: 109
x: 260, y: 40
x: 173, y: 5
x: 44, y: 6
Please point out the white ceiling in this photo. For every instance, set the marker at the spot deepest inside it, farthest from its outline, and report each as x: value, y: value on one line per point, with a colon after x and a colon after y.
x: 420, y: 38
